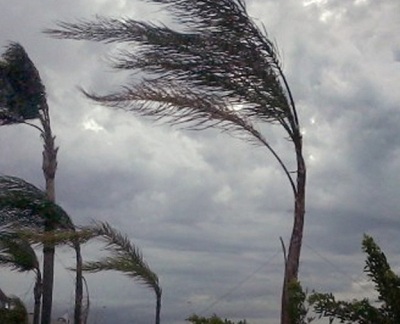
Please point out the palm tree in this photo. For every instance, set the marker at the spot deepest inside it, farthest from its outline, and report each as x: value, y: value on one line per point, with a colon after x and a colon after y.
x: 125, y: 258
x: 22, y: 98
x: 19, y: 255
x: 220, y: 70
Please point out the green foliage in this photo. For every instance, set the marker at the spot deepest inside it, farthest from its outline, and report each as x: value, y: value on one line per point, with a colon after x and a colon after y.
x: 16, y: 314
x: 22, y: 94
x: 356, y: 311
x: 297, y: 304
x: 387, y: 284
x: 214, y: 319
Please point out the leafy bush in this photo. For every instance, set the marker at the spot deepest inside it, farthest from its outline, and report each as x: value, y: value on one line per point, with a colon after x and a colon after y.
x: 16, y: 314
x: 387, y: 284
x: 214, y: 319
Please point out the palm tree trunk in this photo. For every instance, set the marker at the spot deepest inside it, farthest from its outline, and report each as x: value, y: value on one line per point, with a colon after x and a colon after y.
x: 37, y: 292
x: 49, y: 167
x: 85, y: 311
x: 48, y: 279
x: 158, y: 306
x: 78, y: 285
x: 296, y: 239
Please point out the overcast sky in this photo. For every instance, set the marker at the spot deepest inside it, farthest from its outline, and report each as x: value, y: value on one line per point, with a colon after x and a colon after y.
x: 207, y: 209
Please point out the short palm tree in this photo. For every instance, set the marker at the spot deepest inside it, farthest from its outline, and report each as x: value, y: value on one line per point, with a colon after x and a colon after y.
x: 18, y: 254
x: 25, y: 206
x: 125, y: 258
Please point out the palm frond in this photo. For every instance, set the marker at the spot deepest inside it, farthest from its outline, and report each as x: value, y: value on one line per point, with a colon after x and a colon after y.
x: 125, y: 257
x: 17, y: 253
x: 220, y: 51
x: 55, y: 237
x: 26, y: 205
x: 22, y: 93
x: 179, y: 104
x: 220, y: 70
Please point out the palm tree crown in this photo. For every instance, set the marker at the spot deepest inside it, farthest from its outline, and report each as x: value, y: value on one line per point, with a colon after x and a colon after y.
x: 22, y: 93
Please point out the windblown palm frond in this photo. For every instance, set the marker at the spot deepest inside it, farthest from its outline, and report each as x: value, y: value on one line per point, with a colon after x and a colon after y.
x: 221, y: 71
x: 17, y: 253
x: 221, y: 57
x: 22, y: 93
x: 24, y: 204
x: 125, y: 258
x: 58, y: 237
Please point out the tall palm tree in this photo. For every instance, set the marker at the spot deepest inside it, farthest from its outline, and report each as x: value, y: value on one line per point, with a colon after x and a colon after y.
x: 220, y: 70
x: 125, y: 258
x: 23, y: 98
x: 19, y: 255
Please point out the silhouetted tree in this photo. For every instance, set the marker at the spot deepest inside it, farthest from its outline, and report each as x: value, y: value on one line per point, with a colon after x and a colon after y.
x: 219, y: 70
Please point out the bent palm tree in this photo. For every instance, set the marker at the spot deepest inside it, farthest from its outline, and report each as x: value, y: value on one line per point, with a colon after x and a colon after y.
x: 22, y: 98
x: 219, y: 71
x: 18, y: 254
x: 125, y: 258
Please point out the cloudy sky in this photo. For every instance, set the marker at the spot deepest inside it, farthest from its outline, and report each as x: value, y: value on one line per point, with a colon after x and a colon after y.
x: 207, y: 209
